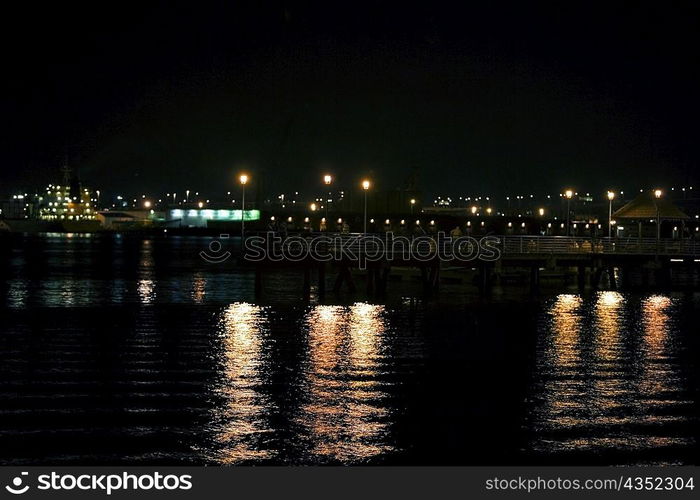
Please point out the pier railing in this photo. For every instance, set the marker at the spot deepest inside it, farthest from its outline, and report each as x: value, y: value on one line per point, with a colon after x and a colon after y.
x: 511, y: 245
x: 575, y: 245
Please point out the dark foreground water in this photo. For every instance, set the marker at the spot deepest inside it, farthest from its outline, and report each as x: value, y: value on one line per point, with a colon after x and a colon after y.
x: 129, y: 350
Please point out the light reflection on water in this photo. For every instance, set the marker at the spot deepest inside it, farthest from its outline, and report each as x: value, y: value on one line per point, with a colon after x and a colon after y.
x: 342, y: 415
x: 199, y: 288
x: 242, y: 421
x: 146, y: 283
x: 607, y: 376
x: 17, y: 294
x: 149, y: 355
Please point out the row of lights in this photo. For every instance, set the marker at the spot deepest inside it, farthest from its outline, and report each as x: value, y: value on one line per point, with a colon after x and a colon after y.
x: 371, y: 221
x: 432, y: 222
x: 328, y: 179
x: 567, y: 194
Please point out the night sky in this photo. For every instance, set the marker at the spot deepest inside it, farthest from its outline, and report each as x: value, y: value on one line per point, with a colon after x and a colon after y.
x: 498, y: 99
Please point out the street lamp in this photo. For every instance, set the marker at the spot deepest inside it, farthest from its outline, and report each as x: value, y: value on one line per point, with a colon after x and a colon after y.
x: 365, y: 187
x: 327, y: 179
x: 657, y: 195
x: 569, y: 194
x: 611, y: 197
x: 413, y: 202
x: 243, y: 179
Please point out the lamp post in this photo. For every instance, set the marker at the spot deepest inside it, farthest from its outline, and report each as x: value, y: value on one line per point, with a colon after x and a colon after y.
x: 243, y: 179
x: 327, y: 179
x: 413, y: 202
x: 365, y: 187
x: 569, y: 194
x: 657, y: 195
x: 611, y: 197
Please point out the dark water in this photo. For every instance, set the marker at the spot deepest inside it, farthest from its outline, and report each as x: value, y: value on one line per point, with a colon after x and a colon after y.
x: 125, y: 350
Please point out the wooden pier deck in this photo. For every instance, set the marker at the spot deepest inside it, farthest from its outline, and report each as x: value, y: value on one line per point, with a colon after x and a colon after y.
x: 593, y: 261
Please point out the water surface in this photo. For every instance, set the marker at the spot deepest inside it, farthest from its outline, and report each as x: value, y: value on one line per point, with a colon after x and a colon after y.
x: 132, y: 350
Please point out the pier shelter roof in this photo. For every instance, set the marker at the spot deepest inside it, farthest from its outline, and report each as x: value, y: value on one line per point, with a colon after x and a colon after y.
x: 647, y: 206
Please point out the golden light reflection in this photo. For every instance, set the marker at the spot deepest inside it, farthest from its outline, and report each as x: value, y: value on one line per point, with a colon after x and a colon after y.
x: 561, y: 363
x: 242, y: 421
x: 657, y: 375
x: 146, y: 284
x: 566, y: 323
x: 610, y: 299
x: 146, y: 291
x: 199, y: 291
x: 561, y: 350
x: 610, y: 389
x: 607, y: 341
x: 604, y: 382
x: 345, y: 413
x: 366, y: 326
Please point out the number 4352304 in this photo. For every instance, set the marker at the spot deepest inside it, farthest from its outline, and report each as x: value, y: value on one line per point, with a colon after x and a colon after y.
x: 658, y: 483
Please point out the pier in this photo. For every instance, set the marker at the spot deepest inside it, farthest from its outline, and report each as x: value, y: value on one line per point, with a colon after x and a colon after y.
x: 594, y: 262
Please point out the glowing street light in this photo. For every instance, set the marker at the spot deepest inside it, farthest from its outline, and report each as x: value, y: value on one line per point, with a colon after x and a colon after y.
x: 541, y: 212
x: 328, y: 180
x: 413, y: 202
x: 657, y: 195
x: 243, y: 179
x: 568, y: 194
x: 313, y: 207
x: 611, y: 197
x: 365, y: 187
x: 147, y: 204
